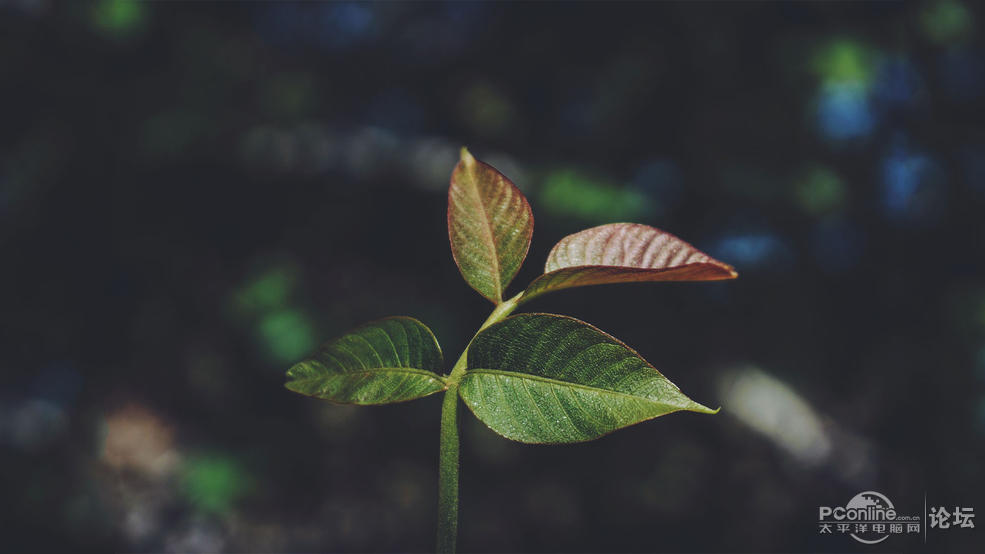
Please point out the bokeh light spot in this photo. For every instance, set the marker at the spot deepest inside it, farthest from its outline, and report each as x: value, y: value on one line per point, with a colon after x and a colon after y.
x: 213, y: 483
x: 775, y: 410
x: 118, y: 17
x: 751, y: 250
x: 568, y: 193
x: 844, y: 111
x: 287, y: 335
x: 844, y: 61
x: 271, y: 290
x: 912, y: 186
x: 820, y: 191
x: 947, y: 22
x: 136, y: 438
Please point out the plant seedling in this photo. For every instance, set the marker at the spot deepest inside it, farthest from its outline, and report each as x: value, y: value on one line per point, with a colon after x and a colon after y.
x: 532, y: 377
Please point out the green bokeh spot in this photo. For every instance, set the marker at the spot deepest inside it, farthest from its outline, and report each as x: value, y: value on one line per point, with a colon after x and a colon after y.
x: 214, y: 483
x: 287, y: 335
x: 268, y: 292
x: 118, y: 17
x: 820, y: 191
x: 844, y: 61
x: 947, y: 21
x: 568, y: 193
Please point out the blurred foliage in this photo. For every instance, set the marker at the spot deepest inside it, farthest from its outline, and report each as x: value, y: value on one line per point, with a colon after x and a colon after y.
x: 268, y: 291
x: 844, y: 61
x: 820, y: 191
x: 214, y: 483
x: 287, y: 334
x: 570, y: 194
x: 947, y: 21
x: 118, y: 17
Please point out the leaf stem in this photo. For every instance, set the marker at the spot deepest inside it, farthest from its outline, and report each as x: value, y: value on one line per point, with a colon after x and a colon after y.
x: 502, y: 310
x: 448, y: 454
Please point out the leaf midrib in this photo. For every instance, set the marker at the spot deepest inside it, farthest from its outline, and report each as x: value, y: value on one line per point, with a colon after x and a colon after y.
x: 629, y: 267
x: 547, y: 282
x: 529, y: 376
x: 369, y: 371
x: 474, y: 190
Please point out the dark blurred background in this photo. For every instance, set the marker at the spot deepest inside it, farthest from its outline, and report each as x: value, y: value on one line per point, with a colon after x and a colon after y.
x: 192, y: 196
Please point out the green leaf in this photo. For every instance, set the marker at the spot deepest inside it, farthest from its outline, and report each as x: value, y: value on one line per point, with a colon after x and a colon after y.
x: 385, y: 361
x: 624, y: 253
x: 543, y: 378
x: 489, y: 225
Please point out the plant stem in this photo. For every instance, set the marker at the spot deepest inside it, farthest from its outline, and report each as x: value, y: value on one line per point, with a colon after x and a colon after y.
x: 448, y: 454
x: 448, y: 474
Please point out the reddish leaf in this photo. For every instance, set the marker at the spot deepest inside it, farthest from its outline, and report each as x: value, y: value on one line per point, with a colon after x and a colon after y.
x: 624, y: 253
x: 489, y: 226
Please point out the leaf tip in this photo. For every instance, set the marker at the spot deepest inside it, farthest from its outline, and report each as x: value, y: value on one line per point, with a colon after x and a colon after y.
x: 701, y: 409
x: 466, y: 157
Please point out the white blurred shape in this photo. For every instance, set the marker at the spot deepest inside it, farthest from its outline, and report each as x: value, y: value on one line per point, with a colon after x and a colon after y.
x: 196, y: 537
x: 140, y: 523
x: 365, y: 153
x: 775, y: 410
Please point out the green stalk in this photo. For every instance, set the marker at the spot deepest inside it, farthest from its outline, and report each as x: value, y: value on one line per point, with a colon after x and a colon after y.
x: 448, y: 455
x: 448, y: 474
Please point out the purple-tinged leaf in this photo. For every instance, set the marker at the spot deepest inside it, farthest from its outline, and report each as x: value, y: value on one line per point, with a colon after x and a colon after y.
x: 489, y: 226
x: 624, y: 253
